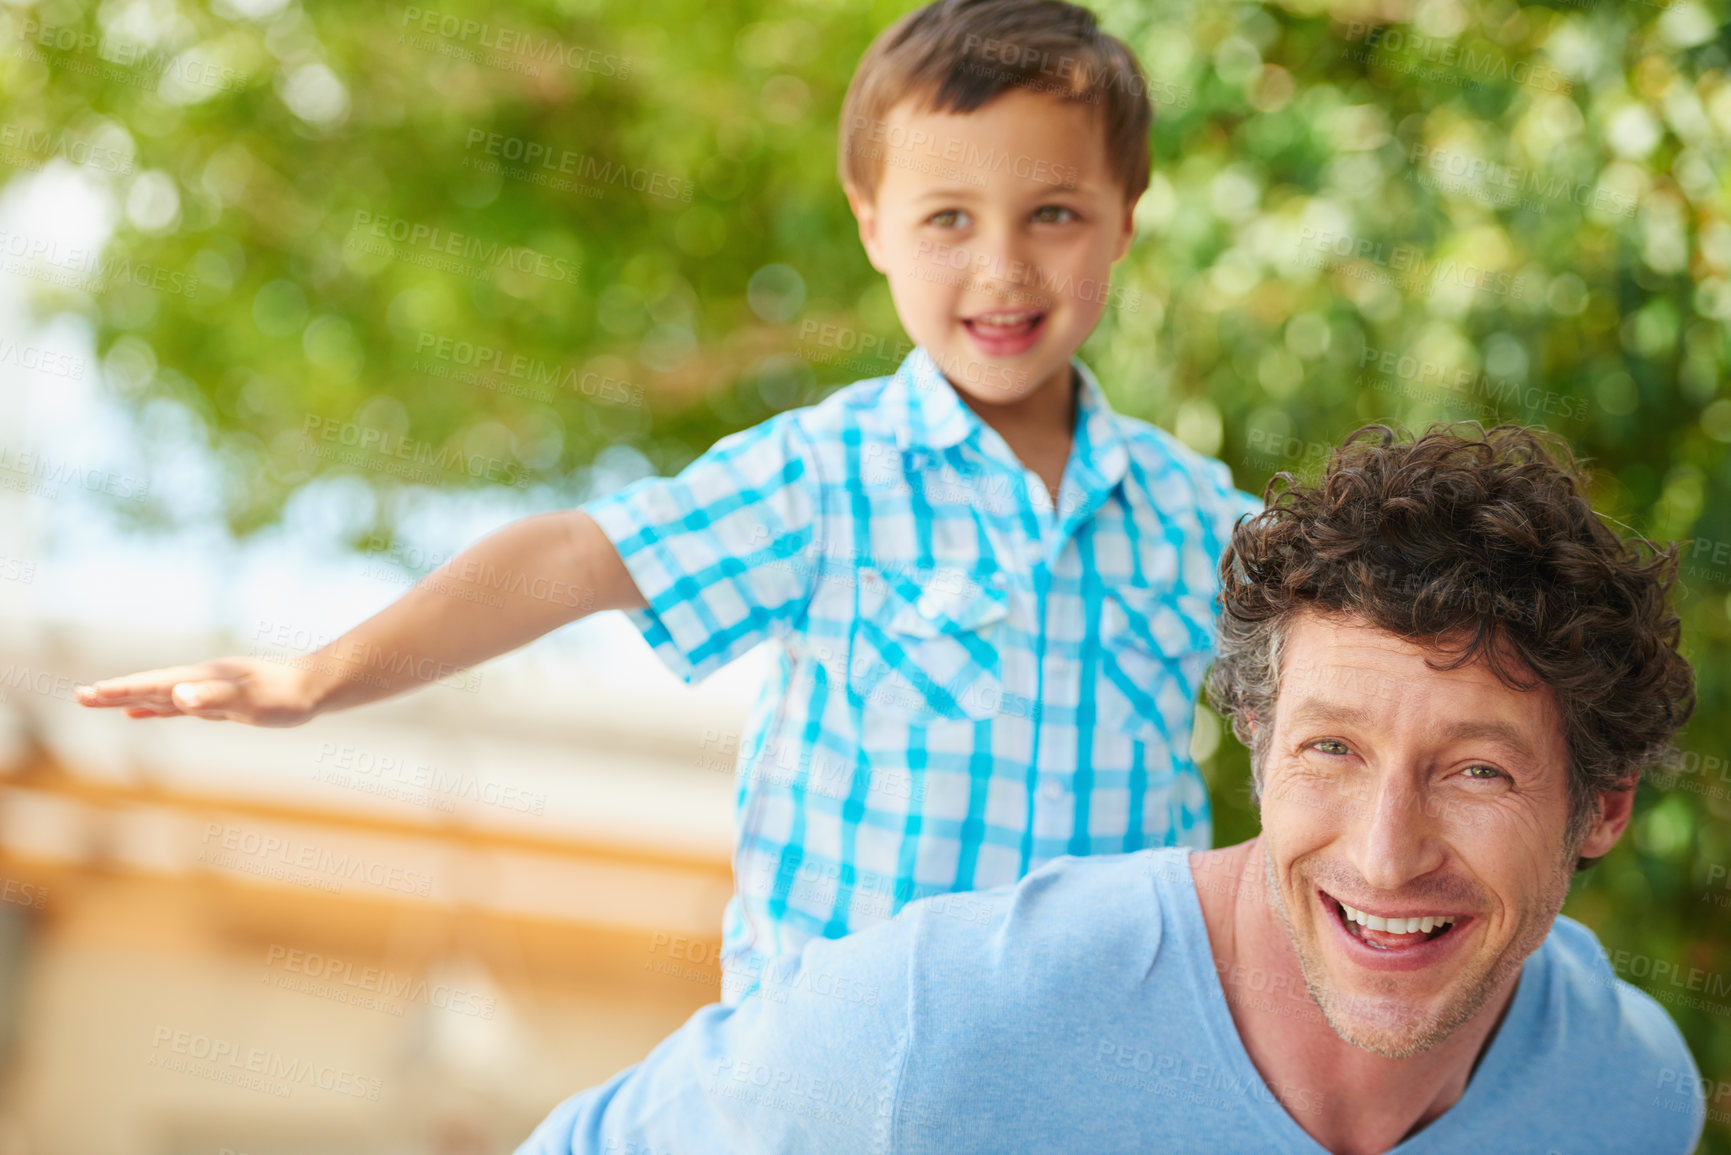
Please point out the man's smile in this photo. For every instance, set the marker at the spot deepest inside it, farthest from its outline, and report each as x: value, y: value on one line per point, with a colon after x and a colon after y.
x: 1395, y: 938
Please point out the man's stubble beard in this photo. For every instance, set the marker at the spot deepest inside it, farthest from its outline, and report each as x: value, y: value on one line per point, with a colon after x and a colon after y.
x: 1403, y: 1041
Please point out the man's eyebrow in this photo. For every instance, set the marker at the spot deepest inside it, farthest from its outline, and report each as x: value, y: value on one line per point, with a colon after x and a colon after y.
x: 1321, y: 710
x: 1507, y: 733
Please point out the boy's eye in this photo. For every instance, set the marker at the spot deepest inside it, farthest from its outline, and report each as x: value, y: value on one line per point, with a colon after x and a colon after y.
x: 947, y: 218
x: 1054, y: 214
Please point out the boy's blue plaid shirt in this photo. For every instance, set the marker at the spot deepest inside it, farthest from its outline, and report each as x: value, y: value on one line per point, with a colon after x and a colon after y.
x: 968, y: 682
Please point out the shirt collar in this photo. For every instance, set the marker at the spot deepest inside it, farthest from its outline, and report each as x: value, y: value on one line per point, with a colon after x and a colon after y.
x: 1099, y: 449
x: 936, y: 419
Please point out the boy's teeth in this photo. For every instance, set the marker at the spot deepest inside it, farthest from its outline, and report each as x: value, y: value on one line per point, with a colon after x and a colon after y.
x: 1422, y: 925
x: 1006, y: 319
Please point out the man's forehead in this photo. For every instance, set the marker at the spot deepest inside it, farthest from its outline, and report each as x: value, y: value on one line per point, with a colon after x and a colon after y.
x: 1338, y: 665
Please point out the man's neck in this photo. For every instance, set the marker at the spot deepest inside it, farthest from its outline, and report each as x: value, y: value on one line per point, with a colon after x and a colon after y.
x: 1353, y: 1102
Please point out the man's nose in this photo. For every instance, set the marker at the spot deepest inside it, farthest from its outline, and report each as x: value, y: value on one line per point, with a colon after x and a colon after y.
x: 1396, y: 837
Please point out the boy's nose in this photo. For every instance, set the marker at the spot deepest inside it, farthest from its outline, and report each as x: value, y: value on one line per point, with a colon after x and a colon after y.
x: 1001, y: 258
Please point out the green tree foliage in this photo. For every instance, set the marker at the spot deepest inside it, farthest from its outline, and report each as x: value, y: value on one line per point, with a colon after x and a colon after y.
x: 481, y: 243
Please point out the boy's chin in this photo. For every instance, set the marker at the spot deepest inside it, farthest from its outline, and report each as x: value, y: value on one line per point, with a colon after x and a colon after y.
x: 994, y: 380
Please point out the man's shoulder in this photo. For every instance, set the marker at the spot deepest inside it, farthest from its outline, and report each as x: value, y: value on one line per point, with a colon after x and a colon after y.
x: 1024, y: 996
x: 1585, y: 979
x: 1068, y: 914
x: 1614, y: 1042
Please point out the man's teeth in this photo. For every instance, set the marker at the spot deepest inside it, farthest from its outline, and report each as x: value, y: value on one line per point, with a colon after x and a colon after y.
x: 1007, y: 320
x: 1422, y: 925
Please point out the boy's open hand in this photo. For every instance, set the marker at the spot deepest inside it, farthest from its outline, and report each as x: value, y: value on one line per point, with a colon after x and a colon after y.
x: 247, y: 690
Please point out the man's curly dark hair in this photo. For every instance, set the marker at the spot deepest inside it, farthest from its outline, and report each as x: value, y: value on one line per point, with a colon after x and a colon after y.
x: 1473, y: 544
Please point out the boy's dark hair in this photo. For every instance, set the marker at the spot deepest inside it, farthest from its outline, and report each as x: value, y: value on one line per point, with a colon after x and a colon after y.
x: 957, y: 55
x: 1480, y: 544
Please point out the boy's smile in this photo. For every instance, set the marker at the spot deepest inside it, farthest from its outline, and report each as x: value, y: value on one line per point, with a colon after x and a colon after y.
x: 1005, y: 332
x: 997, y: 229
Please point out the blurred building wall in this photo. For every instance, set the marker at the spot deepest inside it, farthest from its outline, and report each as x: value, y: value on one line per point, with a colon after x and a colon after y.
x: 413, y: 927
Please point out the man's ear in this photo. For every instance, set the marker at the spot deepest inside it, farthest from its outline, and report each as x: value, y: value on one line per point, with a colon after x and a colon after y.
x: 866, y: 213
x: 1251, y: 725
x: 1615, y: 808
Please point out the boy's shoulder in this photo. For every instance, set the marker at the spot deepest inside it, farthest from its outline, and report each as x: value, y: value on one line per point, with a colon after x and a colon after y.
x: 1173, y: 473
x: 855, y: 410
x: 863, y: 404
x: 1153, y: 446
x: 819, y: 433
x: 1154, y: 452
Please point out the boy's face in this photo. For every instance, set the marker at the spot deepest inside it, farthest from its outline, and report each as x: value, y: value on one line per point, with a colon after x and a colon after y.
x: 997, y: 230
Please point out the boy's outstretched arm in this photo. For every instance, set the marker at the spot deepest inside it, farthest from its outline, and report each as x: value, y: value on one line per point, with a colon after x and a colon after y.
x: 548, y: 570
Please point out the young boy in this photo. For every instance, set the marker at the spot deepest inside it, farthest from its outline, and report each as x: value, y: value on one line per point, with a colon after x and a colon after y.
x: 991, y: 595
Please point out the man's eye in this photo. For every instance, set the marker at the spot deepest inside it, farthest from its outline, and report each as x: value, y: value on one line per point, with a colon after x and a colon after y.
x: 1483, y: 773
x: 1333, y: 747
x: 947, y: 218
x: 1054, y: 214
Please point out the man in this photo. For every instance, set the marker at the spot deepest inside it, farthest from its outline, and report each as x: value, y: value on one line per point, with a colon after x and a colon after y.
x: 1450, y: 674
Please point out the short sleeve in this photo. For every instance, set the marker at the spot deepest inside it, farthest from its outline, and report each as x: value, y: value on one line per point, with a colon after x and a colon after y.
x: 721, y: 551
x: 812, y: 1061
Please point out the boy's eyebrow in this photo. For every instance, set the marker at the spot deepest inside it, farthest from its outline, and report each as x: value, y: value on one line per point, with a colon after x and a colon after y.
x: 955, y: 192
x: 944, y: 193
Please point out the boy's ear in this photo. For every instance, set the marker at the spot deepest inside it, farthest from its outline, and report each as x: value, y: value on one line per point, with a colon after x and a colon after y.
x: 1127, y: 233
x: 865, y: 212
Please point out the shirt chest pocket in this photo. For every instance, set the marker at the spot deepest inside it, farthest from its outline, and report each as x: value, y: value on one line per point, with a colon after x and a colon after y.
x: 1154, y: 650
x: 928, y: 649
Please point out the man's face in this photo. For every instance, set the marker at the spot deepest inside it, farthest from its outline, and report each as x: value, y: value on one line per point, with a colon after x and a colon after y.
x: 997, y: 230
x: 1403, y: 792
